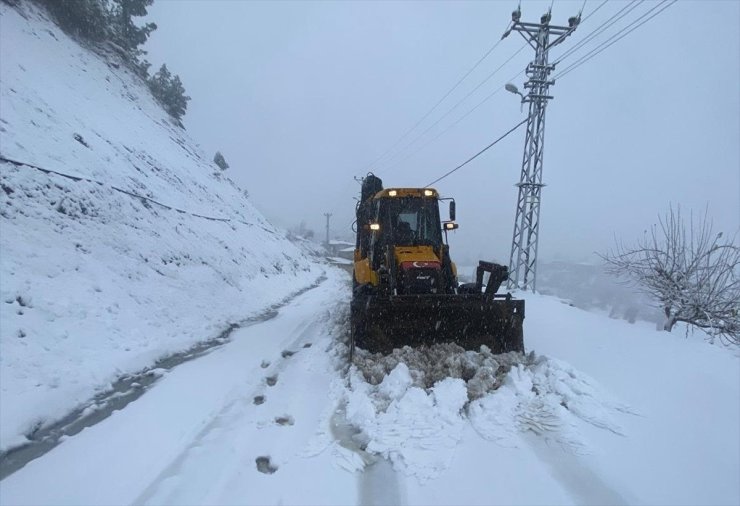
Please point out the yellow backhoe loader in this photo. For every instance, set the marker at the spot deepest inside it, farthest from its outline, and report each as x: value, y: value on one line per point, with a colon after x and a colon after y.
x: 405, y: 288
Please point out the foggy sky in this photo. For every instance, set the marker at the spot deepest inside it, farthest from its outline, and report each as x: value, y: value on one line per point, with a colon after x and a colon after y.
x: 301, y: 97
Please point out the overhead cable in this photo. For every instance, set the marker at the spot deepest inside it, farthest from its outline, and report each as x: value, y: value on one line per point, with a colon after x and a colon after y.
x: 615, y: 38
x: 478, y: 153
x: 593, y: 11
x: 459, y: 102
x: 452, y: 125
x: 600, y: 29
x: 434, y: 107
x: 470, y: 111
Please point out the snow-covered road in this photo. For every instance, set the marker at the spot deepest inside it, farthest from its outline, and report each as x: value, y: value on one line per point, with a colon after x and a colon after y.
x: 275, y: 417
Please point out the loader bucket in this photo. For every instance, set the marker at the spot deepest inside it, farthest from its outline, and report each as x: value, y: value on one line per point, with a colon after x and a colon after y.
x: 380, y: 324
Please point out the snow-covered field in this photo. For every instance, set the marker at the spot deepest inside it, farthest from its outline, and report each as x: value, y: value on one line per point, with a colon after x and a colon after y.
x: 96, y: 283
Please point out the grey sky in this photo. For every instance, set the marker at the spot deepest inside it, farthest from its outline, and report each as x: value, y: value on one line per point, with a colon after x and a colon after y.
x: 301, y: 97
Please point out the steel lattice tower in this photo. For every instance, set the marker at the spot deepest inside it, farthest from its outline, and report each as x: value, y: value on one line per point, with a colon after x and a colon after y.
x: 523, y: 260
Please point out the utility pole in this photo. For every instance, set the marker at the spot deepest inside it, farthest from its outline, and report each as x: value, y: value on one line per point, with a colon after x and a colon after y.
x: 524, y: 243
x: 328, y: 215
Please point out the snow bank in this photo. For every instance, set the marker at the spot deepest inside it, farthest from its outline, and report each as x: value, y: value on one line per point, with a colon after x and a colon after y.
x: 413, y: 405
x: 546, y: 397
x: 96, y: 282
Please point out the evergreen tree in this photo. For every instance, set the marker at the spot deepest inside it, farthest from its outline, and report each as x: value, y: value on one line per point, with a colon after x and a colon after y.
x: 176, y: 102
x: 84, y: 18
x: 112, y: 20
x: 160, y: 81
x: 219, y: 160
x: 104, y: 20
x: 170, y: 92
x: 127, y: 34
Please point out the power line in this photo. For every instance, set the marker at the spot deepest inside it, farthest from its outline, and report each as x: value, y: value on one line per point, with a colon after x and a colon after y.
x: 470, y: 111
x: 451, y: 126
x: 600, y: 29
x: 615, y: 38
x: 477, y: 154
x: 459, y: 102
x: 475, y: 66
x: 593, y: 11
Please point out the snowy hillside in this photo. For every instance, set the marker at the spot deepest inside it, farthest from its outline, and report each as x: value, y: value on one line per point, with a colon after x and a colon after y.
x: 128, y: 246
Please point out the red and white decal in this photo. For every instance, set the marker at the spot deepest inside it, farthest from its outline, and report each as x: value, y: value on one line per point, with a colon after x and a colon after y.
x: 420, y: 265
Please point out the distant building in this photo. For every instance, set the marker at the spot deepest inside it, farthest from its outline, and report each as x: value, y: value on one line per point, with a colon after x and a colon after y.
x: 348, y: 253
x: 338, y: 248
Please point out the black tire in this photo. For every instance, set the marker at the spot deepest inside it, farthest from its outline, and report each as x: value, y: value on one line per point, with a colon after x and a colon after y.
x: 357, y: 322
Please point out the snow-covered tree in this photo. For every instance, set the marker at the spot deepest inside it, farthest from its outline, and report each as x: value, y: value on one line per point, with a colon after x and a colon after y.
x: 126, y: 33
x: 105, y: 20
x: 168, y: 89
x: 692, y: 272
x: 176, y: 102
x: 160, y: 81
x: 87, y: 19
x: 219, y: 160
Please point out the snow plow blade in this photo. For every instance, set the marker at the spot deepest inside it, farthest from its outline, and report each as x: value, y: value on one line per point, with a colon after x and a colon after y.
x: 380, y: 324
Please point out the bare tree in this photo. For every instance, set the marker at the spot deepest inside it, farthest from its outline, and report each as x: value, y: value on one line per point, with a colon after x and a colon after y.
x: 692, y: 272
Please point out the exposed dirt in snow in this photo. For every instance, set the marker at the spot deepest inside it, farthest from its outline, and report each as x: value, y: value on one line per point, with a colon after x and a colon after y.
x: 264, y: 465
x: 412, y: 406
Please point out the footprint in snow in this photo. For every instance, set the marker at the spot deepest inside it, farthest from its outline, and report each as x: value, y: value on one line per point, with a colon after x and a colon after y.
x: 265, y: 364
x: 287, y: 353
x: 264, y: 465
x: 307, y: 345
x: 259, y: 399
x: 271, y: 380
x: 284, y: 420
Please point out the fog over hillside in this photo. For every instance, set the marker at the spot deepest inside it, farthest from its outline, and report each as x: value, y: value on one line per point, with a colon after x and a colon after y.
x: 591, y: 287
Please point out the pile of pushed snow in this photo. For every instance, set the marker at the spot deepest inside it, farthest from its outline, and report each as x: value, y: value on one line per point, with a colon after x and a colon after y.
x: 412, y: 406
x: 482, y: 371
x: 140, y: 249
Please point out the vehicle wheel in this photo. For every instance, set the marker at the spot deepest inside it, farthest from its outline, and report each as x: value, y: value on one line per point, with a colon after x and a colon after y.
x: 357, y: 326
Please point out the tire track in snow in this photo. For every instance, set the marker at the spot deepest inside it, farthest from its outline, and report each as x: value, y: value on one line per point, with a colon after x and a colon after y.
x: 378, y: 483
x: 585, y: 485
x: 125, y: 390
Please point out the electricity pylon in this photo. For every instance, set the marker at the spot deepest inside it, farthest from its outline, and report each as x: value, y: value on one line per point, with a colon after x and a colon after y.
x: 524, y: 243
x: 328, y: 215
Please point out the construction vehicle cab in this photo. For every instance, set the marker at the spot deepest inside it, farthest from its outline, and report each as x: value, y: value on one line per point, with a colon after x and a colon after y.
x: 404, y: 245
x: 405, y: 287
